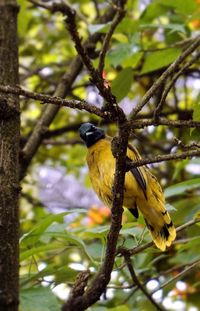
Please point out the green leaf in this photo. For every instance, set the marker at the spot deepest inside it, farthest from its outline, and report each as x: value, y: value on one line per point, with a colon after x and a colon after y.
x: 38, y: 299
x: 193, y: 243
x: 64, y: 236
x: 182, y: 187
x: 133, y: 60
x: 183, y: 213
x: 183, y: 6
x: 159, y: 59
x: 119, y: 308
x: 34, y: 235
x: 180, y: 166
x: 25, y: 254
x: 173, y: 27
x: 98, y: 232
x: 60, y: 273
x: 196, y: 109
x: 170, y: 207
x: 131, y: 229
x: 121, y: 52
x: 24, y: 16
x: 122, y: 84
x: 70, y: 238
x: 144, y: 304
x: 98, y: 28
x: 153, y: 11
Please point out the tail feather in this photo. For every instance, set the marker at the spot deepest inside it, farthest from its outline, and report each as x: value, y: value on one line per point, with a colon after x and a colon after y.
x: 162, y: 236
x: 157, y: 217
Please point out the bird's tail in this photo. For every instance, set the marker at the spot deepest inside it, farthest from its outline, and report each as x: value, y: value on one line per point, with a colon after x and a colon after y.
x: 163, y: 231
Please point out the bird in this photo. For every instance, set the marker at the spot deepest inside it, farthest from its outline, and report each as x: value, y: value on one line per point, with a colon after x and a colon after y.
x: 142, y: 191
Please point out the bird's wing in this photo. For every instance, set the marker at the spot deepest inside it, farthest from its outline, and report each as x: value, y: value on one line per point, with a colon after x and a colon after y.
x: 138, y: 172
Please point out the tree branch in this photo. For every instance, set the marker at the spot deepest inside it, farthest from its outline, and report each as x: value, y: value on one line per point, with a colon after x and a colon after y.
x: 83, y: 105
x: 96, y: 78
x: 171, y: 83
x: 139, y: 284
x: 119, y: 16
x: 49, y: 112
x: 102, y: 278
x: 176, y: 277
x: 163, y: 158
x: 140, y: 248
x: 169, y: 71
x: 58, y: 101
x: 138, y: 124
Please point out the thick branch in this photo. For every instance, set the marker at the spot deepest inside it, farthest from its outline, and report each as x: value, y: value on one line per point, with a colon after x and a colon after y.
x: 9, y: 164
x: 83, y: 105
x: 58, y: 101
x: 102, y: 278
x: 96, y: 78
x: 49, y: 112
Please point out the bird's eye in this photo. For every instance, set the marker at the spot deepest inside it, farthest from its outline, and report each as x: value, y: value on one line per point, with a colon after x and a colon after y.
x: 88, y: 133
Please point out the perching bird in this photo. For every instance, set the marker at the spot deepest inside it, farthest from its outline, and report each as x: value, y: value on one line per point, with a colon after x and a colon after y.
x: 141, y: 189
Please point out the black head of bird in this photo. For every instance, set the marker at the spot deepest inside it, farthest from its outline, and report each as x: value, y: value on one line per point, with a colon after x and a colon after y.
x: 90, y: 134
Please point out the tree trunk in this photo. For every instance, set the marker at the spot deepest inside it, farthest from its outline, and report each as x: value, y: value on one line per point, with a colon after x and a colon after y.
x: 9, y: 153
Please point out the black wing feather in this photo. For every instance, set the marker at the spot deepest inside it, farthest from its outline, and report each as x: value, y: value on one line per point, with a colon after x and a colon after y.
x: 139, y: 178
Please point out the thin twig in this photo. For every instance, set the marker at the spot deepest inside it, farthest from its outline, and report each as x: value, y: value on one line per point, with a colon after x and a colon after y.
x: 139, y: 284
x: 63, y: 88
x: 140, y: 248
x: 63, y: 142
x: 119, y: 16
x: 96, y: 78
x: 186, y: 147
x: 171, y: 83
x: 40, y: 4
x: 181, y: 274
x: 170, y: 70
x: 178, y: 267
x: 96, y: 5
x: 163, y: 158
x: 138, y: 124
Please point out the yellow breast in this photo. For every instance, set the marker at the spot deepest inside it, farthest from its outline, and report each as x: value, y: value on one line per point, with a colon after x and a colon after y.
x: 101, y: 165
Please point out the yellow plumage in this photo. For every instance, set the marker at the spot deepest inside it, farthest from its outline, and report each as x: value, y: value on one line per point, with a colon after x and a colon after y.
x: 141, y: 188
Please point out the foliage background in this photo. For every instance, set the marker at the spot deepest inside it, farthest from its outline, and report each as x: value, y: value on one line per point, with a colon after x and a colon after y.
x: 63, y: 224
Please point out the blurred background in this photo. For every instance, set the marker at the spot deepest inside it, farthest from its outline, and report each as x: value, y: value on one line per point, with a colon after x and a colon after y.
x: 63, y: 223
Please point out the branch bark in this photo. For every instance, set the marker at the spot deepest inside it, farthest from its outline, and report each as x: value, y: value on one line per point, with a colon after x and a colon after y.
x: 9, y: 164
x: 162, y: 158
x: 50, y: 111
x: 140, y: 285
x: 170, y: 70
x: 102, y: 278
x: 141, y: 248
x: 55, y: 100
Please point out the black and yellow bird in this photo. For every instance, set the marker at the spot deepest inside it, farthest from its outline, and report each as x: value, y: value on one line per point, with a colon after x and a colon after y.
x: 141, y: 188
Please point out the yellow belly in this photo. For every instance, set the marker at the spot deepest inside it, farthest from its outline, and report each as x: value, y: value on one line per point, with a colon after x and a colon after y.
x: 101, y: 165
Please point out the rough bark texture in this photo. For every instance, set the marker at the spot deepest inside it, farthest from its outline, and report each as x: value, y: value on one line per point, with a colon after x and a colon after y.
x: 9, y: 151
